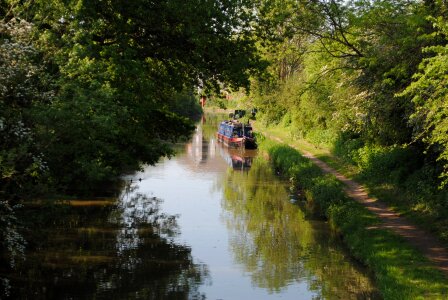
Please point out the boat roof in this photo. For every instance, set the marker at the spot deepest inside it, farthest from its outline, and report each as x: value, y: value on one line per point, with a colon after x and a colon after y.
x: 235, y: 123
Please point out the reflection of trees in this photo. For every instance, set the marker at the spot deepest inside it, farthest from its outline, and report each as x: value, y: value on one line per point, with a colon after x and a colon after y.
x: 278, y: 246
x: 122, y: 251
x: 210, y: 127
x: 12, y: 244
x: 136, y: 211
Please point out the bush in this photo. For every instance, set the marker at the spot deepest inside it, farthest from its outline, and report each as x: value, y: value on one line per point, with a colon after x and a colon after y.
x: 323, y: 190
x: 391, y: 164
x: 379, y: 164
x: 328, y: 191
x: 322, y: 137
x: 346, y: 146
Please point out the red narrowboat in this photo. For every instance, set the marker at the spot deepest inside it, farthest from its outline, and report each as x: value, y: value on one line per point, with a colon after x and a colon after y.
x: 235, y: 134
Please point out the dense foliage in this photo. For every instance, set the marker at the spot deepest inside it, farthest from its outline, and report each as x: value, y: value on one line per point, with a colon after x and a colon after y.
x: 90, y: 90
x: 366, y: 79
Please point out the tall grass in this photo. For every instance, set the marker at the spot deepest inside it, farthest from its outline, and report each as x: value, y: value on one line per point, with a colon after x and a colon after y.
x: 400, y: 271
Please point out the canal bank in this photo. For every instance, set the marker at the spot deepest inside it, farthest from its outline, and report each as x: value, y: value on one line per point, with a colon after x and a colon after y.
x: 400, y: 270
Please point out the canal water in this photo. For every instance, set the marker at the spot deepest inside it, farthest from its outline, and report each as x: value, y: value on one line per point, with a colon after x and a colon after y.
x: 209, y: 223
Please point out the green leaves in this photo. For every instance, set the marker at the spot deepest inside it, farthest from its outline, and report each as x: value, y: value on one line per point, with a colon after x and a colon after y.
x: 429, y: 94
x: 339, y: 67
x: 96, y: 84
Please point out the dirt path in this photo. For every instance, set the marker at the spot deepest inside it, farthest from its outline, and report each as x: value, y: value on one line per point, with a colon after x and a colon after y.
x: 430, y: 246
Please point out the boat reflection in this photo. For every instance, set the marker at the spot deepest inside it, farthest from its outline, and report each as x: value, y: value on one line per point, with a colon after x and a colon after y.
x: 238, y: 159
x: 203, y: 151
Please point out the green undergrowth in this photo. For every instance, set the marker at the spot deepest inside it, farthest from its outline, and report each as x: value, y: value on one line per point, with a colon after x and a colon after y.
x: 397, y: 175
x: 400, y: 271
x: 401, y: 176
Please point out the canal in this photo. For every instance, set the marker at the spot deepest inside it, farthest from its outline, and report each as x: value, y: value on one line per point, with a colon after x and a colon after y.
x: 209, y: 223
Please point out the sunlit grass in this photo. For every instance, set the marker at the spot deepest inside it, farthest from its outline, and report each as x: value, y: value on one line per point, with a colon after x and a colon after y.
x: 401, y: 271
x: 420, y: 206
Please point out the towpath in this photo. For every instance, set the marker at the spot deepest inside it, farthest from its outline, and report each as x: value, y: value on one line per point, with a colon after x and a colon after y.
x: 429, y: 245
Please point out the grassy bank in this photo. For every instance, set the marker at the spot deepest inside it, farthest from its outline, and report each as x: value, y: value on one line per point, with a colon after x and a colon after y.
x: 395, y: 175
x: 400, y: 271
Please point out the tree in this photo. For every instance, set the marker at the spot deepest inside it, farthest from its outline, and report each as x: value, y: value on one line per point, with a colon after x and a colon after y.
x: 22, y: 86
x: 369, y: 48
x: 115, y: 67
x: 22, y: 167
x: 429, y: 92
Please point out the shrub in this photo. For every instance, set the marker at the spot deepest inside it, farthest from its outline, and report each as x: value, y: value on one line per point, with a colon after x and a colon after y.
x: 321, y: 137
x: 346, y: 146
x: 391, y: 163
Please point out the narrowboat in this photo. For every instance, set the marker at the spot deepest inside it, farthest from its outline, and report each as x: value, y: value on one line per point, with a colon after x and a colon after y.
x: 235, y: 134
